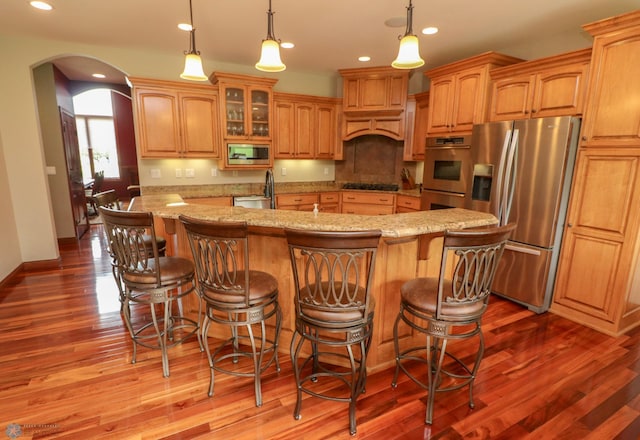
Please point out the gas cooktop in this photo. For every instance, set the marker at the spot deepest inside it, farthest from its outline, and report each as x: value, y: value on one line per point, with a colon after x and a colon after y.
x: 372, y: 186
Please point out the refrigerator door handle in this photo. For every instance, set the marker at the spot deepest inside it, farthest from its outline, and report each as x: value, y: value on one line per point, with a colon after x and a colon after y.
x: 510, y: 178
x: 501, y: 170
x: 522, y: 250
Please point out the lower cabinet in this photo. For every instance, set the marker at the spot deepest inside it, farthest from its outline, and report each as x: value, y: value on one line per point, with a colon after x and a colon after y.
x: 330, y: 202
x: 406, y: 203
x: 296, y: 202
x: 598, y: 281
x: 368, y: 203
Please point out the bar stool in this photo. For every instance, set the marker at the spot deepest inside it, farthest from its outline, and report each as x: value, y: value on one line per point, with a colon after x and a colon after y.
x: 109, y: 199
x: 237, y: 297
x: 151, y: 280
x: 333, y: 273
x: 450, y: 308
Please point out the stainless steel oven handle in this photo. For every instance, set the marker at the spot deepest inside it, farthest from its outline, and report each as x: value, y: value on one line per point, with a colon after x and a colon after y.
x: 522, y: 250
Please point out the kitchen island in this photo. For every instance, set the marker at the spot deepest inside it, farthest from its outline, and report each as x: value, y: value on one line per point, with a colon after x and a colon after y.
x: 410, y: 247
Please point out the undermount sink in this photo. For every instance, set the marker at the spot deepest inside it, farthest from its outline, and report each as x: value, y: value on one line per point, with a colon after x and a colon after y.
x: 259, y: 202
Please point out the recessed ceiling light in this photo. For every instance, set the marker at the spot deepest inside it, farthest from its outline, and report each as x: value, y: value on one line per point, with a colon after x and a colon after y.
x: 287, y: 45
x: 430, y: 30
x: 185, y: 27
x: 41, y: 5
x: 364, y: 59
x: 99, y: 75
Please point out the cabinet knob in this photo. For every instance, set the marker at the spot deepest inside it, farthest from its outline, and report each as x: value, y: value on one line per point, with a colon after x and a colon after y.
x: 569, y: 225
x: 584, y: 138
x: 534, y: 110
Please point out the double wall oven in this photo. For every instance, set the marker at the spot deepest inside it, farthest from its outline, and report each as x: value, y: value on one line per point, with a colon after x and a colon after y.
x: 447, y: 172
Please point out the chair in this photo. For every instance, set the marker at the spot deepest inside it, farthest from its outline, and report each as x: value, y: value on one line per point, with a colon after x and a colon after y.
x: 449, y: 308
x: 152, y: 280
x: 334, y: 308
x: 96, y: 187
x: 109, y: 199
x: 236, y: 297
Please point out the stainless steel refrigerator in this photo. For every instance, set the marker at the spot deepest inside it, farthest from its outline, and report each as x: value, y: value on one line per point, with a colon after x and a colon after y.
x: 522, y: 173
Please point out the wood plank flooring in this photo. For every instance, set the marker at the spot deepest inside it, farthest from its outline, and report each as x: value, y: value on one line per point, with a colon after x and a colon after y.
x: 65, y: 373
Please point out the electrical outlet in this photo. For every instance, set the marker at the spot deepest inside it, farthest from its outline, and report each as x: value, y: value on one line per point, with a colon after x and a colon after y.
x: 189, y: 172
x: 155, y: 173
x: 235, y: 173
x: 214, y: 172
x: 178, y: 172
x: 326, y: 171
x: 283, y: 171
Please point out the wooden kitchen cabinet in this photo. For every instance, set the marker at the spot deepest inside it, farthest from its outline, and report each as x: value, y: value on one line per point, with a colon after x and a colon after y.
x: 173, y: 119
x: 553, y: 86
x: 598, y: 278
x: 306, y: 127
x: 374, y: 101
x: 246, y: 103
x: 417, y: 116
x: 612, y: 114
x: 405, y: 203
x: 296, y: 202
x: 329, y: 202
x: 367, y: 203
x: 459, y: 93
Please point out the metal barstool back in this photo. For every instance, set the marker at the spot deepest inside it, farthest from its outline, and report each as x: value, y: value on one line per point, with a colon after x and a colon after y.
x: 151, y: 280
x: 236, y: 297
x: 334, y: 306
x: 450, y: 307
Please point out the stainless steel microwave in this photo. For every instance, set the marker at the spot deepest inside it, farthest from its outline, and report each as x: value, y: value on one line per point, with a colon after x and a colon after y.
x: 248, y: 154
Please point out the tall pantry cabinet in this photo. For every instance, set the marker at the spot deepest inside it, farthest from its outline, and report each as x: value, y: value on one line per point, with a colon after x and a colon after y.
x: 598, y: 282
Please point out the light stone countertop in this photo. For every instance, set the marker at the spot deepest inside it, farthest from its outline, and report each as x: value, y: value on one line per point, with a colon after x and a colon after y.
x: 391, y: 225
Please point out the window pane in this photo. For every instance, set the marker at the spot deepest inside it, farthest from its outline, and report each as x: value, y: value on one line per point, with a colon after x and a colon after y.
x: 103, y: 142
x: 93, y: 102
x: 83, y: 142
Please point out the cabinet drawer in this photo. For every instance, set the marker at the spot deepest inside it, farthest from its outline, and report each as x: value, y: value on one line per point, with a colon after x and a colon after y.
x: 329, y: 198
x: 407, y: 203
x: 284, y: 200
x: 369, y: 198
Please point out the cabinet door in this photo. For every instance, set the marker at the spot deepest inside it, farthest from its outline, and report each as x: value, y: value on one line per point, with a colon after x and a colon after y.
x: 612, y: 113
x: 598, y: 244
x: 469, y: 99
x: 305, y: 131
x: 373, y: 93
x: 326, y: 128
x: 440, y: 103
x: 158, y: 130
x: 234, y: 112
x: 351, y: 98
x: 258, y: 108
x: 511, y: 98
x: 559, y: 91
x: 200, y: 125
x: 415, y: 151
x: 284, y: 132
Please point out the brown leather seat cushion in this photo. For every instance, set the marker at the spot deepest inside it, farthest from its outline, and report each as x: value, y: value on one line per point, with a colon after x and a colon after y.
x: 171, y: 269
x: 336, y: 314
x: 262, y: 286
x: 422, y: 294
x: 161, y: 243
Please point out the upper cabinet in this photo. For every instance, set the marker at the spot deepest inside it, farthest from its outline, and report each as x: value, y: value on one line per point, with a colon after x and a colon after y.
x: 613, y: 110
x: 553, y: 86
x: 246, y: 106
x: 459, y: 93
x: 306, y: 127
x: 174, y: 119
x: 417, y: 116
x: 374, y: 101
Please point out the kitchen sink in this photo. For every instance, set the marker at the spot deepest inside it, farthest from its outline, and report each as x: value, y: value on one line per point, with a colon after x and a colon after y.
x: 258, y: 202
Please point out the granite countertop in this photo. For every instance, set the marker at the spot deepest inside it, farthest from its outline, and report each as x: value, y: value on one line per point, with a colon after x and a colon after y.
x: 392, y: 225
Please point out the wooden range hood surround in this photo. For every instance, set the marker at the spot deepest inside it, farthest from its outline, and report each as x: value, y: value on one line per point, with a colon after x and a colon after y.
x: 374, y: 102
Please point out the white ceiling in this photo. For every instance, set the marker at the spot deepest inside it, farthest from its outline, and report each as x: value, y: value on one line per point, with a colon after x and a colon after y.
x: 329, y: 34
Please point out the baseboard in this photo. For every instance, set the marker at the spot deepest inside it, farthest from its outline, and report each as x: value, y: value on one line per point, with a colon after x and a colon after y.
x: 36, y: 266
x: 8, y: 278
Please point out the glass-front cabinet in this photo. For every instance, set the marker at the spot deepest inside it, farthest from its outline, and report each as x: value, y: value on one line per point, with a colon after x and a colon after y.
x: 246, y: 106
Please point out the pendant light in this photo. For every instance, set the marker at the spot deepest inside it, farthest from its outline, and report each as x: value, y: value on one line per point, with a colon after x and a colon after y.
x: 409, y: 52
x: 192, y: 62
x: 270, y: 56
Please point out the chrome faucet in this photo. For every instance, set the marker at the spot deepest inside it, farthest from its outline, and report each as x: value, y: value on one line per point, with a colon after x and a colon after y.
x: 269, y: 189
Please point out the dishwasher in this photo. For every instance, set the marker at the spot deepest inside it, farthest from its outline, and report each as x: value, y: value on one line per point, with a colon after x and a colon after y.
x: 258, y: 202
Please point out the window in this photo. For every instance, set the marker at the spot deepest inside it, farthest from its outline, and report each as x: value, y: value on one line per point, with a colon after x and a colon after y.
x: 96, y: 133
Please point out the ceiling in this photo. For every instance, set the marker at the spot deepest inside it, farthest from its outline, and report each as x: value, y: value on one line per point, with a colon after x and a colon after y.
x: 328, y: 34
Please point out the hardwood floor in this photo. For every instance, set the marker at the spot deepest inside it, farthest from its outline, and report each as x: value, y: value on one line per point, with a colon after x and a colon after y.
x: 65, y: 372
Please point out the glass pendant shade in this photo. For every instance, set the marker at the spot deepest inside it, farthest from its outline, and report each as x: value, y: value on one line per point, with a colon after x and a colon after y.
x: 270, y: 57
x: 193, y: 68
x: 408, y: 54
